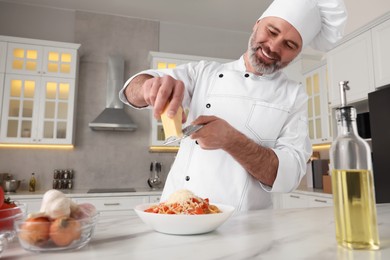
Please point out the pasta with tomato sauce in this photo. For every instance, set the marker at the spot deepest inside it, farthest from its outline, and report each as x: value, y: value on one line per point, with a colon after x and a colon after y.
x: 186, y: 203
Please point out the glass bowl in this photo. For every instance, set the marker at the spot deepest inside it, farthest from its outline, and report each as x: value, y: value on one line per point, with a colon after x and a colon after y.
x: 7, y: 219
x: 42, y: 235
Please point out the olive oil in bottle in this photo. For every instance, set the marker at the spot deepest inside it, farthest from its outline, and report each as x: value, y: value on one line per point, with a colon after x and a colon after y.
x: 352, y: 183
x: 32, y: 183
x: 354, y: 209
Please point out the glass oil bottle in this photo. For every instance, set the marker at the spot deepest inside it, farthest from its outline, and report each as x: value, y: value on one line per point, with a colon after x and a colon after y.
x: 352, y: 182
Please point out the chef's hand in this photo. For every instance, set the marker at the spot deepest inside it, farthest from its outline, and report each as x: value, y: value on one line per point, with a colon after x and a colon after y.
x: 215, y: 134
x: 158, y: 91
x: 145, y: 90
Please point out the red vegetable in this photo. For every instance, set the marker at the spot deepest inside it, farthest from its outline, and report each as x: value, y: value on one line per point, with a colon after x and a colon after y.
x: 7, y: 210
x: 1, y: 196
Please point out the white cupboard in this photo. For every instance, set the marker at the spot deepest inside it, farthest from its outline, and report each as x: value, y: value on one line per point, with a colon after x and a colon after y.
x: 115, y: 205
x: 39, y: 92
x: 37, y: 59
x: 300, y: 199
x: 3, y: 57
x: 363, y: 59
x: 106, y: 205
x: 352, y: 61
x: 381, y: 43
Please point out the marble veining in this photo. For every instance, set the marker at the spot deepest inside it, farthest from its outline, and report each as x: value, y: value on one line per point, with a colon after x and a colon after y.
x: 264, y: 234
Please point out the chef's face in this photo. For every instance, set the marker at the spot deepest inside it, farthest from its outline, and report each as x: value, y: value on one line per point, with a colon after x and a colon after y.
x: 273, y: 44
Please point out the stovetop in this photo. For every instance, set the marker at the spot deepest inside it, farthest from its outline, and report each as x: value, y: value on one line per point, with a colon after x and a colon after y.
x: 111, y: 190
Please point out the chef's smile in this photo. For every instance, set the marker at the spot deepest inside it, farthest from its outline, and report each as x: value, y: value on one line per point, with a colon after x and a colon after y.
x: 265, y: 56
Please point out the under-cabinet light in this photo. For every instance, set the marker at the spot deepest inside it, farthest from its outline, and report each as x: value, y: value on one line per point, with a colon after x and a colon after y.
x: 321, y: 146
x: 35, y: 146
x: 163, y: 149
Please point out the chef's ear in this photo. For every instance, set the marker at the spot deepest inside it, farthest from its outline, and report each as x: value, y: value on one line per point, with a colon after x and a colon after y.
x: 256, y: 24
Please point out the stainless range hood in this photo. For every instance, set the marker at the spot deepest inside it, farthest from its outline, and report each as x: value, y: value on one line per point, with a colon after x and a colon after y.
x: 114, y: 117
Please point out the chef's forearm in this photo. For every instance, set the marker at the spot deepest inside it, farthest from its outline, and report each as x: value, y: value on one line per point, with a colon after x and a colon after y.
x: 261, y: 162
x: 134, y: 92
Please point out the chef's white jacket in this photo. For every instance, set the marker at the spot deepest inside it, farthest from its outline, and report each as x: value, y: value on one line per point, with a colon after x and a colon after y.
x: 269, y: 109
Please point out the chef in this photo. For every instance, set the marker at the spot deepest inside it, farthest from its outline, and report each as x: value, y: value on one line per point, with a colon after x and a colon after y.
x: 255, y: 138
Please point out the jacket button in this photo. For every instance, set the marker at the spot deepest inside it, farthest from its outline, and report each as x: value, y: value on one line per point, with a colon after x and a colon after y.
x: 246, y: 75
x: 208, y: 105
x: 220, y: 75
x: 187, y: 178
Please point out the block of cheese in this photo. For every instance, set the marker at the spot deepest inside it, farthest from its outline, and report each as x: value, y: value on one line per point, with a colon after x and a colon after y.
x: 172, y: 126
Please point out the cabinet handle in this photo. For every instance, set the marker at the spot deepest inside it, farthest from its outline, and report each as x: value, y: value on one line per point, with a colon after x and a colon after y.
x: 322, y: 201
x: 295, y: 196
x: 112, y: 204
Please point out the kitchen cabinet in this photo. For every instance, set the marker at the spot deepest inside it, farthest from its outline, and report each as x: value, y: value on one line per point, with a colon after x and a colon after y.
x: 381, y: 43
x: 160, y: 60
x: 33, y: 205
x: 34, y: 59
x: 300, y: 199
x: 363, y: 59
x: 154, y: 199
x: 106, y: 205
x: 39, y: 92
x: 294, y: 201
x: 320, y: 202
x: 37, y: 110
x: 352, y: 61
x: 319, y: 113
x: 114, y: 205
x: 3, y: 57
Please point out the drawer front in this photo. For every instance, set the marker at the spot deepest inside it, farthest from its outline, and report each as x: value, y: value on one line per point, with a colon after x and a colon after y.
x: 114, y: 203
x: 294, y: 201
x: 33, y: 205
x: 154, y: 199
x: 320, y: 202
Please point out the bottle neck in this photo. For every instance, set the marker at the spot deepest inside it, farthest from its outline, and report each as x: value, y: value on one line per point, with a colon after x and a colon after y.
x: 346, y: 121
x: 348, y: 127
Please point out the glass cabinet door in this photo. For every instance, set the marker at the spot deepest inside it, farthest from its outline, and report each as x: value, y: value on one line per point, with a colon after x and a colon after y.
x: 19, y: 109
x: 318, y: 110
x: 59, y: 62
x: 56, y: 110
x: 37, y: 110
x: 24, y: 59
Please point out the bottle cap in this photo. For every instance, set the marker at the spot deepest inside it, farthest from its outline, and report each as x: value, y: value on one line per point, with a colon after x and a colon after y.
x: 343, y: 95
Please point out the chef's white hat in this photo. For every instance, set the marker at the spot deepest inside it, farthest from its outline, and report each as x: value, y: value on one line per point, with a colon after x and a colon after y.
x: 320, y: 22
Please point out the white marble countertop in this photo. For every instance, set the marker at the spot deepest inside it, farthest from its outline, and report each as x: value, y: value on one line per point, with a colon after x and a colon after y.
x: 264, y: 234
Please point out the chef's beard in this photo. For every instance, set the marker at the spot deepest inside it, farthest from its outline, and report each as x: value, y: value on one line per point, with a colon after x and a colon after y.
x: 259, y: 65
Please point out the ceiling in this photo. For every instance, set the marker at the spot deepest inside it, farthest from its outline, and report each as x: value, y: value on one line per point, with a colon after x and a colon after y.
x: 232, y: 15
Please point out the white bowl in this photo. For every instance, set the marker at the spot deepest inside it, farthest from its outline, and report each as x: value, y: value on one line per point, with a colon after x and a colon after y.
x: 184, y: 224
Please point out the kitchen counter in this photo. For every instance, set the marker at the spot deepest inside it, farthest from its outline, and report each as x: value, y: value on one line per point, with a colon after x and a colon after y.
x: 82, y: 193
x: 312, y: 191
x: 264, y: 234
